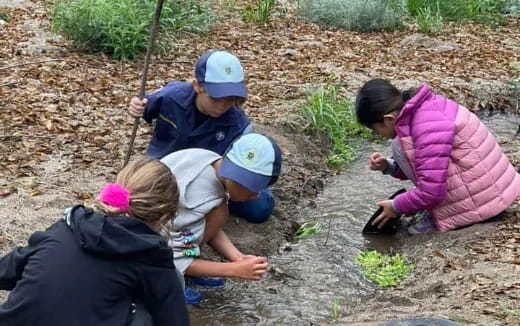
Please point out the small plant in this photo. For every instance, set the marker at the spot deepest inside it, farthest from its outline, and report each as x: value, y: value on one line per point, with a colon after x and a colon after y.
x: 260, y: 11
x: 429, y: 21
x: 359, y: 15
x: 336, y: 308
x: 4, y: 16
x: 308, y: 229
x: 384, y: 270
x: 121, y: 28
x: 514, y: 90
x: 328, y: 113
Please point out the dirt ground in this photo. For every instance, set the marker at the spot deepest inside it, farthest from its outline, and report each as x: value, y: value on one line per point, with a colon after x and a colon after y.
x: 64, y: 134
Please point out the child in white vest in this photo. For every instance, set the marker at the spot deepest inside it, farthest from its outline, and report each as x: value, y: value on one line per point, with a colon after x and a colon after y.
x: 206, y: 181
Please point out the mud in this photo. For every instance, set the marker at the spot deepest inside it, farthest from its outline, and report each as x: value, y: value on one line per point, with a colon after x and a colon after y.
x: 470, y: 275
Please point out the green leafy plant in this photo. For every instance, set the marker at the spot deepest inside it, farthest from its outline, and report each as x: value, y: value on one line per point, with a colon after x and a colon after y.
x: 328, y: 113
x: 308, y: 229
x: 4, y: 16
x: 121, y: 28
x: 384, y: 270
x: 488, y: 11
x: 259, y: 11
x: 429, y: 21
x: 359, y: 15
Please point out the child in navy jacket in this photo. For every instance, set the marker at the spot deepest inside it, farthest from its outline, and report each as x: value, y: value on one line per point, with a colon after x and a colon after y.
x: 205, y: 113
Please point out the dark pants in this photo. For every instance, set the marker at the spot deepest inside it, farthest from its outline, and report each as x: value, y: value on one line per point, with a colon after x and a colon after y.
x: 255, y: 211
x: 139, y: 315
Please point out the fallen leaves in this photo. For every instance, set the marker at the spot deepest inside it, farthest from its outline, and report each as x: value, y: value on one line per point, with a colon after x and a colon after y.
x: 6, y: 191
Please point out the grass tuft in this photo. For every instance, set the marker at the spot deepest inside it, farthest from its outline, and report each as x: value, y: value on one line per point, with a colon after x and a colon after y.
x: 383, y: 270
x: 329, y: 115
x: 259, y: 11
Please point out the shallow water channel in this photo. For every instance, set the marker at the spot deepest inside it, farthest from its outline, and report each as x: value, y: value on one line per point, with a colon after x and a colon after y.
x: 315, y: 279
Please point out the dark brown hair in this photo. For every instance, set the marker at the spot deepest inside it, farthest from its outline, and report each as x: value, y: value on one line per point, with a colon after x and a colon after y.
x: 377, y: 98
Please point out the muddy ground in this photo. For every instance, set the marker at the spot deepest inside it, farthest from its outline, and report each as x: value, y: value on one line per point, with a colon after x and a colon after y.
x: 64, y: 134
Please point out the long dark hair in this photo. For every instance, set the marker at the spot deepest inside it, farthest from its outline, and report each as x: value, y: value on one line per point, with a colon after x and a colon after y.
x: 378, y: 97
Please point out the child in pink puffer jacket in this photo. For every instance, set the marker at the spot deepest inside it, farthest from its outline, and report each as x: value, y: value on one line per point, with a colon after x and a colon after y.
x: 460, y: 173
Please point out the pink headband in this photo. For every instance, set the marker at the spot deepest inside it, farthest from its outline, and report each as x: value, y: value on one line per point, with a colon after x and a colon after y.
x: 116, y: 196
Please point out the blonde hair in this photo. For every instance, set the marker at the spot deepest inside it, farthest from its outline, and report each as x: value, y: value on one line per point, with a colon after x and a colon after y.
x: 152, y: 187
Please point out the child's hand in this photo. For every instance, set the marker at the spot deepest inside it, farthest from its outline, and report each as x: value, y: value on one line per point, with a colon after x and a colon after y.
x: 136, y: 108
x: 386, y: 215
x: 251, y: 267
x: 377, y: 162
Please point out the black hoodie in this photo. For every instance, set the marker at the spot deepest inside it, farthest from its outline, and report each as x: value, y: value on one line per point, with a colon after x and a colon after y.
x: 87, y: 270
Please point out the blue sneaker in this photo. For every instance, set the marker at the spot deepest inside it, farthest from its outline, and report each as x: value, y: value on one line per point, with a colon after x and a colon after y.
x: 209, y: 282
x: 192, y: 296
x: 423, y: 224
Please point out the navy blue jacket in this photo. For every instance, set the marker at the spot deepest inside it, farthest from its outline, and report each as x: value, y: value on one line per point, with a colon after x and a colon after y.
x: 87, y: 270
x: 173, y: 108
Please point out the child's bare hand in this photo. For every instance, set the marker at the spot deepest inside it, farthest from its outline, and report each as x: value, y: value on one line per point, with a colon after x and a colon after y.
x: 136, y: 108
x: 386, y: 215
x: 377, y: 162
x: 251, y: 267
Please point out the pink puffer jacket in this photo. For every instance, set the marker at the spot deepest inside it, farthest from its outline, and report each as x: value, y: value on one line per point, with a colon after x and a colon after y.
x: 462, y: 175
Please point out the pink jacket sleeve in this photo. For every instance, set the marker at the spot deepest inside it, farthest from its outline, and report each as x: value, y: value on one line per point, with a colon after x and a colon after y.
x: 432, y: 133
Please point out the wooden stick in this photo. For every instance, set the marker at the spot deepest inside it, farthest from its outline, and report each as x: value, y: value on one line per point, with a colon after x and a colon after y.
x: 151, y: 39
x: 9, y: 84
x: 29, y: 63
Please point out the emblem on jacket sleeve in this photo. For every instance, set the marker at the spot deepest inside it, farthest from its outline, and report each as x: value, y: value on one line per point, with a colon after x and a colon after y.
x: 220, y: 135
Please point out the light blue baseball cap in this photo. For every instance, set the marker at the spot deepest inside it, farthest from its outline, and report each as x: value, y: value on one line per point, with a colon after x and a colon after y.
x: 221, y: 74
x: 254, y: 161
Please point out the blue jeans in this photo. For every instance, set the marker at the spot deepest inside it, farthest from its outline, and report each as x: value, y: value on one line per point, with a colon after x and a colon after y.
x: 255, y: 211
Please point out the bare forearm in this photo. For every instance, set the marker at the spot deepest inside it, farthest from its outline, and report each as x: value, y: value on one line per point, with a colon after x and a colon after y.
x: 225, y: 247
x: 248, y: 268
x: 201, y: 267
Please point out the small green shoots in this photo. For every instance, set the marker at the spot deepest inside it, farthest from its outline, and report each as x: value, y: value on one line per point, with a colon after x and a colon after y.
x: 260, y: 11
x: 430, y: 21
x: 383, y: 270
x: 308, y: 229
x: 336, y: 308
x: 329, y: 115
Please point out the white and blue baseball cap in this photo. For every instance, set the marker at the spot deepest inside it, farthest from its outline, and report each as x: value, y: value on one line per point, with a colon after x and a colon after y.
x: 254, y: 161
x: 221, y: 74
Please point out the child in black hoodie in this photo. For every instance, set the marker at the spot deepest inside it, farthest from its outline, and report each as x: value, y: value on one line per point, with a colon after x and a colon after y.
x: 93, y: 265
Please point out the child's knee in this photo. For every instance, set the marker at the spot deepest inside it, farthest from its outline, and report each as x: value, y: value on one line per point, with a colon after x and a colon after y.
x: 257, y: 210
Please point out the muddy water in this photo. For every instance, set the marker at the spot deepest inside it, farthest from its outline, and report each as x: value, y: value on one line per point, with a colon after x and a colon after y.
x: 310, y: 277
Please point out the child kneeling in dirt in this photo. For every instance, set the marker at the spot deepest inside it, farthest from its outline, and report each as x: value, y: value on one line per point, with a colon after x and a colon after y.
x: 460, y: 173
x: 91, y: 267
x: 206, y: 182
x: 205, y: 113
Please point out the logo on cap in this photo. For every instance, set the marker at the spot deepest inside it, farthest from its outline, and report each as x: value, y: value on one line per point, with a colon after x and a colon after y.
x: 249, y: 157
x: 221, y: 74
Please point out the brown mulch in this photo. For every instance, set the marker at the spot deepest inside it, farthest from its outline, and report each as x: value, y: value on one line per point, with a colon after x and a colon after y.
x: 56, y: 102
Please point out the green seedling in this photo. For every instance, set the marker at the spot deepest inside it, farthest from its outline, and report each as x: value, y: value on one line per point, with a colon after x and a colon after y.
x: 4, y: 16
x: 383, y: 270
x: 335, y: 308
x: 308, y: 229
